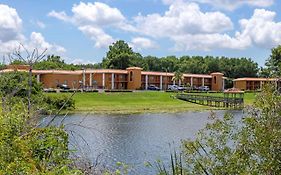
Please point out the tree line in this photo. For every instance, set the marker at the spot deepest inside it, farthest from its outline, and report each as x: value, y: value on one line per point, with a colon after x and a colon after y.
x: 120, y: 56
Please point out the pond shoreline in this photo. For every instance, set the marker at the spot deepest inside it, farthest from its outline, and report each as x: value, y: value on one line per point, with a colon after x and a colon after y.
x: 136, y: 103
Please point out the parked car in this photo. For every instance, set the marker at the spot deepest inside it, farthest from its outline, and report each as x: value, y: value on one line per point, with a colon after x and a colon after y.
x: 182, y: 88
x: 204, y: 88
x: 173, y: 87
x: 153, y: 87
x: 63, y: 86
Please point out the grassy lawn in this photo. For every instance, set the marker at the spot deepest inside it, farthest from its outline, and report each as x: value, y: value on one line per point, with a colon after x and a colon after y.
x: 137, y: 102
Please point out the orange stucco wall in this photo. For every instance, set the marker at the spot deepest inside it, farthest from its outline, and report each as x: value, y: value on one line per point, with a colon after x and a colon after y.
x: 240, y: 85
x: 134, y: 78
x: 217, y: 82
x: 52, y: 80
x: 131, y: 78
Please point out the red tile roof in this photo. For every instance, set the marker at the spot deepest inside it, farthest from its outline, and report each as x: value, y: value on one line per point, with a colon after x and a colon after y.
x: 256, y: 79
x: 77, y: 72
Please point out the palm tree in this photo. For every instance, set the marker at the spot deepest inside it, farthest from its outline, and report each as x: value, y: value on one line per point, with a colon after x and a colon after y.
x: 178, y: 76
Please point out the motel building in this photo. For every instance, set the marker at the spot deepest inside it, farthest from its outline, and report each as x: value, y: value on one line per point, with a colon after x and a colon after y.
x: 253, y: 84
x: 133, y: 78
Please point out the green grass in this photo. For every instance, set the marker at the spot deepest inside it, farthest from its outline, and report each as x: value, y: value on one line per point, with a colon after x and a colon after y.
x: 137, y: 102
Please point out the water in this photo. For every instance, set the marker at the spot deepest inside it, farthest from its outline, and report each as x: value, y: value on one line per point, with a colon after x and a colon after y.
x: 133, y: 139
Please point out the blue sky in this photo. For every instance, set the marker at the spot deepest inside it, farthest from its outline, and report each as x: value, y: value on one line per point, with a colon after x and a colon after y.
x: 80, y: 31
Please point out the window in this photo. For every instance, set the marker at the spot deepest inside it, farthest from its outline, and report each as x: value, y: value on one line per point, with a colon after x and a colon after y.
x: 131, y: 76
x: 65, y: 81
x: 215, y: 80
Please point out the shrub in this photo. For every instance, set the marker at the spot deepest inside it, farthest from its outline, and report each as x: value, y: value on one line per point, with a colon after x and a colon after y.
x: 27, y: 149
x: 59, y: 102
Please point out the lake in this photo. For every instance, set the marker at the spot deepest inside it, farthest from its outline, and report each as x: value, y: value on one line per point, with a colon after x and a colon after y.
x: 133, y: 139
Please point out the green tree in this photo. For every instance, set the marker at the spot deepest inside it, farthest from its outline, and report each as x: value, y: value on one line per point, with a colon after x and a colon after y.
x: 152, y: 63
x: 120, y: 56
x: 273, y: 63
x: 54, y: 62
x: 14, y: 86
x: 178, y: 76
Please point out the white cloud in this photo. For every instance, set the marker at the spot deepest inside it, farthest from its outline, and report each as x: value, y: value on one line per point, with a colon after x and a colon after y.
x: 208, y: 42
x: 99, y: 14
x: 140, y: 43
x: 184, y: 23
x: 262, y: 29
x: 38, y: 41
x: 191, y: 29
x: 81, y: 61
x: 11, y: 35
x: 98, y: 35
x: 93, y: 18
x: 59, y: 15
x: 40, y: 24
x: 10, y: 28
x: 227, y: 4
x: 181, y: 19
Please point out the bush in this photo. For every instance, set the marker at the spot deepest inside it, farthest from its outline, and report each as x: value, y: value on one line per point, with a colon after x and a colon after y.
x: 27, y: 149
x: 59, y: 102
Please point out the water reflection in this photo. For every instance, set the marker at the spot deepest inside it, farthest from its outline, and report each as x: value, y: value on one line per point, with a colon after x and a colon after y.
x: 134, y: 139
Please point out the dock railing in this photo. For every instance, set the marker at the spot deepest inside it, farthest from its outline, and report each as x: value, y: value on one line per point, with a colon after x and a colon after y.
x: 214, y: 101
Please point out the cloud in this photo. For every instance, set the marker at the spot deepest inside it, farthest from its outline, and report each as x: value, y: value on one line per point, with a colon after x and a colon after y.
x: 10, y: 28
x: 40, y: 24
x: 38, y: 41
x: 60, y: 15
x: 182, y: 19
x: 140, y: 43
x: 191, y: 29
x: 11, y: 34
x: 207, y: 42
x: 262, y: 29
x: 93, y: 19
x: 228, y: 4
x: 98, y: 14
x: 81, y: 61
x: 184, y: 23
x: 101, y: 39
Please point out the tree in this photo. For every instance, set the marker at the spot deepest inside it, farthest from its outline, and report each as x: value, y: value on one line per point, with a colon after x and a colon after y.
x: 120, y: 56
x: 178, y: 76
x: 273, y: 63
x: 54, y: 62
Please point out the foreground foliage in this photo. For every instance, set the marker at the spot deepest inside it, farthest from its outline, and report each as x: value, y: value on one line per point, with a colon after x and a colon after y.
x: 27, y: 149
x: 251, y: 145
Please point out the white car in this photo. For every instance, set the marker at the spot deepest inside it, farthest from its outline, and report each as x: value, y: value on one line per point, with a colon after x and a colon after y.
x: 173, y: 87
x: 204, y: 88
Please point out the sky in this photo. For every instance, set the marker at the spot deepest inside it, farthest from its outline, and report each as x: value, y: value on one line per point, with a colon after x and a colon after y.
x: 81, y: 31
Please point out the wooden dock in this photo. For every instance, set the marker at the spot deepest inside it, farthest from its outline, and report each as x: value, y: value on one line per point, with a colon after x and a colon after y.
x: 225, y: 102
